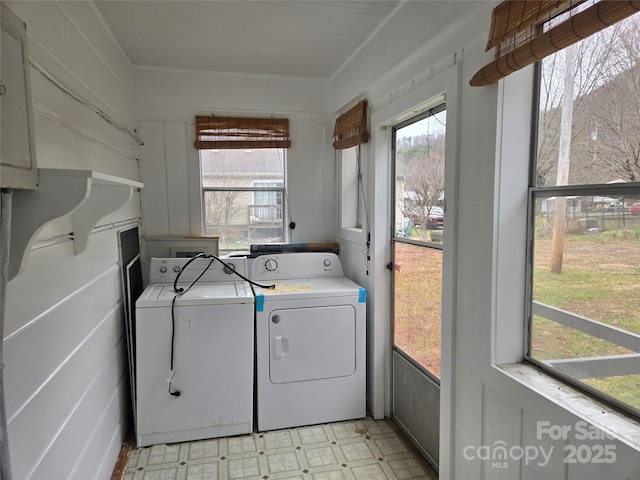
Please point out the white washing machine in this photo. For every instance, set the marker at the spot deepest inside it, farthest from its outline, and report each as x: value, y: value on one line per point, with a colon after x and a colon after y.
x: 194, y: 352
x: 310, y: 341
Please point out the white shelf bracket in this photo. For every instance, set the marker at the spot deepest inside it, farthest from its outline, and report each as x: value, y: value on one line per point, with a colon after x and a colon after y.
x: 88, y: 196
x: 103, y: 200
x: 33, y: 209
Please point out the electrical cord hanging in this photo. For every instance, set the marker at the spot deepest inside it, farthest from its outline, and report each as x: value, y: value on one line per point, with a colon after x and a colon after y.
x: 366, y: 251
x: 292, y: 223
x: 179, y: 291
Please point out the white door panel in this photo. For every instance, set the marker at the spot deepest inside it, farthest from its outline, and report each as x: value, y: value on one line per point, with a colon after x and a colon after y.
x: 312, y: 343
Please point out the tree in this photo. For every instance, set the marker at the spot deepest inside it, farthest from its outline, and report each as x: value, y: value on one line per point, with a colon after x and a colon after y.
x: 613, y: 109
x: 220, y: 208
x: 419, y: 167
x: 591, y: 72
x: 425, y: 184
x: 221, y: 205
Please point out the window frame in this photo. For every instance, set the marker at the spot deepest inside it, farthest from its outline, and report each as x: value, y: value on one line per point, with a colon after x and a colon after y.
x: 534, y: 192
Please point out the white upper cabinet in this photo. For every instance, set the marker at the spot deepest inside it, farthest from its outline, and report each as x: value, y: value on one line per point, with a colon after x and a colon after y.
x: 17, y: 145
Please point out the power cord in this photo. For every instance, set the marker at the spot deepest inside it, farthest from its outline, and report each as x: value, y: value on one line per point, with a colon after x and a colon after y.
x: 229, y: 268
x: 179, y: 292
x: 367, y: 250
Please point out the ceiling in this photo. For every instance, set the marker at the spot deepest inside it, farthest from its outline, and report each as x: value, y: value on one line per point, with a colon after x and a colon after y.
x: 308, y: 38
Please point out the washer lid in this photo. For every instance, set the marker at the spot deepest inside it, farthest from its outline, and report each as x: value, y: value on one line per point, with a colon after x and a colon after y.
x: 213, y: 293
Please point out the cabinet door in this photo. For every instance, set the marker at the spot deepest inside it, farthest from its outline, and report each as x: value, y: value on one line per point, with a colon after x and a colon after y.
x: 17, y: 148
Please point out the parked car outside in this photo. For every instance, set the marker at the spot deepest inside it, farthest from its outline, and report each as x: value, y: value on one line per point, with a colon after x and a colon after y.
x: 434, y: 216
x: 635, y: 208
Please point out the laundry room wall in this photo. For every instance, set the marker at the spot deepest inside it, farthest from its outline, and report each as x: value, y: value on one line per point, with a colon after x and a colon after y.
x: 483, y: 405
x: 66, y: 381
x: 166, y: 103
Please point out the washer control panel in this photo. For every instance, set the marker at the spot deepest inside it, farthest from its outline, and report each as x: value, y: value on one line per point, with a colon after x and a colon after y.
x: 296, y: 265
x: 271, y: 264
x: 165, y: 270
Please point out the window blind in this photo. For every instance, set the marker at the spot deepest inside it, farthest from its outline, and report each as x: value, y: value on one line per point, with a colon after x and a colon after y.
x: 526, y: 31
x: 351, y: 127
x: 241, y: 133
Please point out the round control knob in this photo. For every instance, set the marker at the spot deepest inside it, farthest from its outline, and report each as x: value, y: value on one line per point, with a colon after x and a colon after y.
x: 176, y: 269
x: 271, y: 265
x: 163, y: 269
x: 327, y: 262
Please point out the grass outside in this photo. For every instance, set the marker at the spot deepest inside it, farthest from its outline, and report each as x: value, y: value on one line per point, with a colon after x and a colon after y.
x: 600, y: 280
x: 418, y: 304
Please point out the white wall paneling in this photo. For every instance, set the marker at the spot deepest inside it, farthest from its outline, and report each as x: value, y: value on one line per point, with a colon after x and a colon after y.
x: 176, y: 147
x: 83, y: 385
x: 65, y: 375
x: 90, y: 141
x: 67, y: 316
x: 153, y: 169
x: 165, y: 165
x: 419, y: 36
x: 215, y: 92
x: 70, y: 41
x: 77, y: 330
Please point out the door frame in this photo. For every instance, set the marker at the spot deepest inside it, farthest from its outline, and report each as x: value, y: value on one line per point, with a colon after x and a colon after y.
x: 448, y: 81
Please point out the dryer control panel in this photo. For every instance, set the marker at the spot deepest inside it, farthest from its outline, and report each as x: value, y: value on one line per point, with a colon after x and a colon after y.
x: 296, y: 265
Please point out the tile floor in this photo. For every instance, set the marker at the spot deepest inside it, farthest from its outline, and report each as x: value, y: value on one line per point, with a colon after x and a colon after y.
x: 354, y: 450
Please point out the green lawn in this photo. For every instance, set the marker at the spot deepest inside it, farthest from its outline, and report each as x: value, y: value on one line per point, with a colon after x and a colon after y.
x: 600, y: 280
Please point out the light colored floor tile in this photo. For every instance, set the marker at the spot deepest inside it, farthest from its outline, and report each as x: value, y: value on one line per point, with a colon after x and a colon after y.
x: 363, y: 449
x: 310, y: 435
x: 369, y: 472
x: 356, y: 451
x: 320, y: 456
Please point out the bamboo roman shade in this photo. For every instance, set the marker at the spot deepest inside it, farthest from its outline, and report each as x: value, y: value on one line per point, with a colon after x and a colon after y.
x: 241, y: 133
x: 351, y: 127
x: 524, y: 31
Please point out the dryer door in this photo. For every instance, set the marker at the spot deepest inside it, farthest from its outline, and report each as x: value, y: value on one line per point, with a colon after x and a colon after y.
x: 312, y: 343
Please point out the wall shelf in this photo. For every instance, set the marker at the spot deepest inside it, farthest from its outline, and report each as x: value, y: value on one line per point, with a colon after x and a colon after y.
x: 87, y: 195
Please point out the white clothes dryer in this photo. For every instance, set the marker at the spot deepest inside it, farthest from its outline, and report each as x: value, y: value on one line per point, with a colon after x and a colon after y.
x: 310, y: 341
x: 194, y: 352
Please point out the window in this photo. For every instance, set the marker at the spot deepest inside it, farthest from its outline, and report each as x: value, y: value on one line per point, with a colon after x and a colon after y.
x: 244, y: 196
x: 419, y: 173
x: 418, y: 240
x: 352, y: 195
x: 350, y: 133
x: 584, y: 322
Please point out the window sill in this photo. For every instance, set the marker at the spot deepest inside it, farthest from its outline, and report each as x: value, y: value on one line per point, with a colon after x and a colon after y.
x: 599, y: 414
